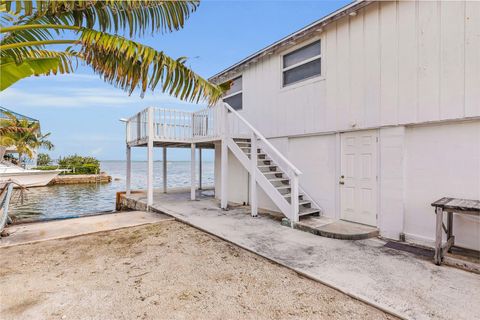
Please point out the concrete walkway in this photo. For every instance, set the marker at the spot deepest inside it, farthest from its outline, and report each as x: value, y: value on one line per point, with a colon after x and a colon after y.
x: 43, y: 231
x: 392, y: 280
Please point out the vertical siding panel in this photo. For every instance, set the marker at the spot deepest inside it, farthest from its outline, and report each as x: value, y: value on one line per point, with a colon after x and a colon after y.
x: 472, y: 60
x: 331, y: 77
x: 357, y: 84
x: 343, y: 74
x: 429, y: 61
x: 389, y: 63
x: 407, y: 61
x: 452, y: 60
x: 270, y: 79
x: 372, y: 66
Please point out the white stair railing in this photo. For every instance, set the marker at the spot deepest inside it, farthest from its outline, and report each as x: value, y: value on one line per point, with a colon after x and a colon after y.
x: 292, y: 172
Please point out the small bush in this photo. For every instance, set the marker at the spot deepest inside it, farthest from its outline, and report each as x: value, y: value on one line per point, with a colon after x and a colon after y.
x: 43, y: 159
x: 75, y: 165
x: 88, y: 168
x: 45, y: 168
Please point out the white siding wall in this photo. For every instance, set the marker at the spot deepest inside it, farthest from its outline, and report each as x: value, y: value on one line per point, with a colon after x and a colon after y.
x: 441, y: 161
x: 392, y: 66
x: 237, y: 178
x: 393, y: 63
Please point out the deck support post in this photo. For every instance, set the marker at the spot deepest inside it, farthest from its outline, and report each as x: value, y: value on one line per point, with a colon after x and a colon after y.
x: 164, y: 163
x: 150, y: 158
x: 253, y: 176
x: 129, y: 170
x: 199, y: 168
x: 294, y: 197
x: 224, y: 160
x: 192, y: 170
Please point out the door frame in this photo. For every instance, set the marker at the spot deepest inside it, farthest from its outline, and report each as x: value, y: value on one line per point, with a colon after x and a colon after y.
x: 338, y: 168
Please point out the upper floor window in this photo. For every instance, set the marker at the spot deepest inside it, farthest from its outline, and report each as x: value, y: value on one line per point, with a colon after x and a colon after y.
x: 302, y: 64
x: 234, y: 95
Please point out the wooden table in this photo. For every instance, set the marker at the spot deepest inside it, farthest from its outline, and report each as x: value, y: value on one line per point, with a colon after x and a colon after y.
x: 450, y: 205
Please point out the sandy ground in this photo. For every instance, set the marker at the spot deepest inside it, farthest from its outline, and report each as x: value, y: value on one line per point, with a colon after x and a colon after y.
x: 166, y: 270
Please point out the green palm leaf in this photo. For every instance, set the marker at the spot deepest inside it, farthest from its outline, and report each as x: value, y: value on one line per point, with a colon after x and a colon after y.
x: 136, y: 17
x: 122, y: 62
x: 37, y: 62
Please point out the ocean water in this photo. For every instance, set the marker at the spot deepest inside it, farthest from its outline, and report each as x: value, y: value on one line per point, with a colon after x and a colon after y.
x: 62, y: 201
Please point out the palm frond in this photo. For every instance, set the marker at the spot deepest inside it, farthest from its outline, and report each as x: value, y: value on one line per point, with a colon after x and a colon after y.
x: 12, y: 129
x: 36, y: 62
x: 136, y: 17
x: 130, y: 65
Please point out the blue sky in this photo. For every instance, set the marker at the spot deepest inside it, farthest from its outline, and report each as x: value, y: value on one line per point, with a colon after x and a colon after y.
x: 82, y: 112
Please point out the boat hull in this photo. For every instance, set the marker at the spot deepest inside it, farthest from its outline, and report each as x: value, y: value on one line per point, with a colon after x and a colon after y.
x: 37, y: 178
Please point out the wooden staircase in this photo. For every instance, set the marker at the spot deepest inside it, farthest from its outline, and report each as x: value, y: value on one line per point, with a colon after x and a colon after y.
x: 277, y: 178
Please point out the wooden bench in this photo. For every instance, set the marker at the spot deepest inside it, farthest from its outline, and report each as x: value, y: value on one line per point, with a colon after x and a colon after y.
x: 450, y: 205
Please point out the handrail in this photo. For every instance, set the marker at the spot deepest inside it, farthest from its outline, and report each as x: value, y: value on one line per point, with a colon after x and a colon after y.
x: 259, y: 135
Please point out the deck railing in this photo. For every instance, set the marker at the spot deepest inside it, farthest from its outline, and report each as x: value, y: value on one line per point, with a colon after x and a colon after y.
x: 175, y: 125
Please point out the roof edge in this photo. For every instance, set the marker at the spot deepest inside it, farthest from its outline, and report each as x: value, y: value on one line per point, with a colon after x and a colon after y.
x: 345, y: 10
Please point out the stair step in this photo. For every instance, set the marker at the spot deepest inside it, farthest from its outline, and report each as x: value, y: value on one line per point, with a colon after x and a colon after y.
x: 266, y: 165
x: 258, y: 154
x: 283, y: 187
x: 303, y: 202
x: 247, y: 150
x: 289, y: 195
x: 272, y: 172
x: 308, y: 211
x: 278, y: 179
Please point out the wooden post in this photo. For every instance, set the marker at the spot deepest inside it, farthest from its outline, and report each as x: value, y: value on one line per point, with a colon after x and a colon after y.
x: 450, y: 229
x: 150, y: 158
x: 253, y: 176
x: 224, y: 161
x: 129, y: 170
x: 199, y: 168
x: 438, y: 236
x: 294, y: 197
x: 164, y: 163
x: 192, y: 170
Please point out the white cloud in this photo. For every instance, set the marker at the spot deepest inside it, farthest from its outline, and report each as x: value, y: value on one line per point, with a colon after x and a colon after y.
x: 80, y: 91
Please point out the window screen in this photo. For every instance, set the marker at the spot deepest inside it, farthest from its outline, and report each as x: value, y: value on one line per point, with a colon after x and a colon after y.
x: 301, y: 54
x: 304, y: 71
x: 234, y: 95
x: 302, y: 64
x: 234, y: 101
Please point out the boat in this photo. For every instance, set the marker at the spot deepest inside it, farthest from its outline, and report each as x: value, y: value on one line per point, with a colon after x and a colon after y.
x: 25, y: 177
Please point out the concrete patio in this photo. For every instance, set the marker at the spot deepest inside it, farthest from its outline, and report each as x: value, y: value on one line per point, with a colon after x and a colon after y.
x: 392, y: 280
x: 59, y: 229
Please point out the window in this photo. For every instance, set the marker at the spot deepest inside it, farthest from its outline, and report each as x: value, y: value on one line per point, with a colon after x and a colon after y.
x: 302, y: 64
x: 234, y: 95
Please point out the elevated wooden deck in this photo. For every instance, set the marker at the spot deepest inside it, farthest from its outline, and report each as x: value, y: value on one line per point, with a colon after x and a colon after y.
x: 174, y: 128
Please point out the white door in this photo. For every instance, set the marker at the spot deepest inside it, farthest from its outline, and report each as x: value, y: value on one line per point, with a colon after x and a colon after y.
x: 358, y: 177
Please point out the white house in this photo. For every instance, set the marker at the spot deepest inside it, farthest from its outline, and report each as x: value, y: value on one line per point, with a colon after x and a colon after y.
x: 369, y: 114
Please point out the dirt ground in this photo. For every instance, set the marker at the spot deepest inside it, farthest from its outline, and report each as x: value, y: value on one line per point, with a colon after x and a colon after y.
x: 166, y: 270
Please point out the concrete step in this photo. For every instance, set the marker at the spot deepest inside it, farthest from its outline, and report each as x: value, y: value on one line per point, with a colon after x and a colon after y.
x: 336, y: 229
